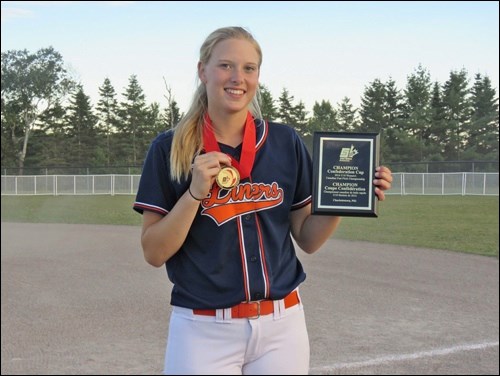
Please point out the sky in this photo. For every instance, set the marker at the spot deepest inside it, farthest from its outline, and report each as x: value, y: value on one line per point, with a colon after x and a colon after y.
x: 316, y: 50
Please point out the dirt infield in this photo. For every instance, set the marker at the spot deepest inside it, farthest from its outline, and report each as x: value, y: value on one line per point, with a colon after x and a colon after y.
x: 80, y: 299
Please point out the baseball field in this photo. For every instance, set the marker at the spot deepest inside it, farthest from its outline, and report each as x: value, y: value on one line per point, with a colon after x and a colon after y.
x: 415, y: 291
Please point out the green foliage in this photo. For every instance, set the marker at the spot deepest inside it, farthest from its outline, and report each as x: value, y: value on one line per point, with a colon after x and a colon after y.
x: 107, y: 115
x: 31, y: 85
x: 134, y: 122
x: 285, y: 107
x: 373, y: 108
x: 424, y: 122
x: 457, y: 106
x: 81, y: 127
x: 483, y: 133
x: 347, y: 116
x: 292, y: 114
x: 324, y: 118
x: 267, y: 106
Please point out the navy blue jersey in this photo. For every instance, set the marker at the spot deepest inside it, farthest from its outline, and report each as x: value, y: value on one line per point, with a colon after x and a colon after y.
x: 239, y: 247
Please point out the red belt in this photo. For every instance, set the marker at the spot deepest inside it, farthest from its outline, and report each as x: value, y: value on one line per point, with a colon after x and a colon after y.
x: 253, y: 309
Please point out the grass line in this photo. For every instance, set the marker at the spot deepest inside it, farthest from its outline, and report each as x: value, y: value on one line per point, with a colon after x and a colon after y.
x: 457, y: 223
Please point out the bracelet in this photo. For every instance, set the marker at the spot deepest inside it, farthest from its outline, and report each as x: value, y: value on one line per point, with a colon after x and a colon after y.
x: 192, y: 195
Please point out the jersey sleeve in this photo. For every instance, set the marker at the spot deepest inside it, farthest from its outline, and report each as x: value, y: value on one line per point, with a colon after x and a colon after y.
x: 156, y: 191
x: 302, y: 196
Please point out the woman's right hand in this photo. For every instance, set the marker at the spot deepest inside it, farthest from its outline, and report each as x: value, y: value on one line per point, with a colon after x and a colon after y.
x: 204, y: 169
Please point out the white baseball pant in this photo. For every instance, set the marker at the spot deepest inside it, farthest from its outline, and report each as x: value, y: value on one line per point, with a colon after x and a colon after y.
x: 277, y: 343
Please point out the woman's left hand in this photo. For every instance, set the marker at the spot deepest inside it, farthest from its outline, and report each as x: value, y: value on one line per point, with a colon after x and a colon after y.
x: 382, y: 182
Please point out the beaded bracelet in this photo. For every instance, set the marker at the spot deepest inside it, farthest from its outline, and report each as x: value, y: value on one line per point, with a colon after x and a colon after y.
x: 192, y: 195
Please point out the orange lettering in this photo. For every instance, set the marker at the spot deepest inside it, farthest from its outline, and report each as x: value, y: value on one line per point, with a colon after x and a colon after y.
x: 242, y: 199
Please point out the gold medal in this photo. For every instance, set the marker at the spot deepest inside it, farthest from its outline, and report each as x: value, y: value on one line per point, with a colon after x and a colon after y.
x: 228, y: 177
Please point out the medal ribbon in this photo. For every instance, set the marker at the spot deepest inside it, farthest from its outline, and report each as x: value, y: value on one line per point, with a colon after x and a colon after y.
x: 247, y: 157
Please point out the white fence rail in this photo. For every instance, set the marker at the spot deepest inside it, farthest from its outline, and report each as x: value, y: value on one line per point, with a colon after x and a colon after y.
x: 70, y: 184
x: 448, y: 183
x: 451, y: 183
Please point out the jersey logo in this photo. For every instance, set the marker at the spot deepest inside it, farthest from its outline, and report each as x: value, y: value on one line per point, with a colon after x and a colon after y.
x: 223, y: 205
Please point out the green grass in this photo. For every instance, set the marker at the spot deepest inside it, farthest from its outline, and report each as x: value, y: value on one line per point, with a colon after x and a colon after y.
x: 108, y: 210
x: 457, y: 223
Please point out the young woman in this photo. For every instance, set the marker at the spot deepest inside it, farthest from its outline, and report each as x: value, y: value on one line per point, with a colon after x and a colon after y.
x: 222, y: 195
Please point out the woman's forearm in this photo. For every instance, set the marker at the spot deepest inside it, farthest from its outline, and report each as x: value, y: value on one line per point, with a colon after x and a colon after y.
x: 311, y: 231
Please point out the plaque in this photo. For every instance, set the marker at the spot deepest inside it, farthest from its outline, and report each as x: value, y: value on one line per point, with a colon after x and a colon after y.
x: 343, y: 171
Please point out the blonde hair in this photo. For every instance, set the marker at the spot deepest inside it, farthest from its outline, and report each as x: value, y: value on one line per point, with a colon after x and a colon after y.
x: 187, y: 140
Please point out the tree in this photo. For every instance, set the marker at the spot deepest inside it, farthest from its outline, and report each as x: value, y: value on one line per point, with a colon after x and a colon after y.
x: 393, y: 114
x: 380, y: 113
x: 416, y: 118
x: 172, y: 114
x: 324, y: 117
x: 81, y: 126
x: 346, y: 116
x: 458, y: 110
x: 294, y: 115
x: 133, y: 120
x: 299, y: 113
x: 285, y: 107
x: 107, y: 115
x: 156, y: 122
x: 373, y: 107
x: 483, y: 131
x: 49, y: 141
x: 31, y: 85
x: 393, y: 104
x: 267, y: 107
x: 10, y: 125
x: 438, y: 124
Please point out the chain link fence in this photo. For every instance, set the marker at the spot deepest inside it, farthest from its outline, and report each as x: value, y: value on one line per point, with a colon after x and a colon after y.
x: 454, y: 183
